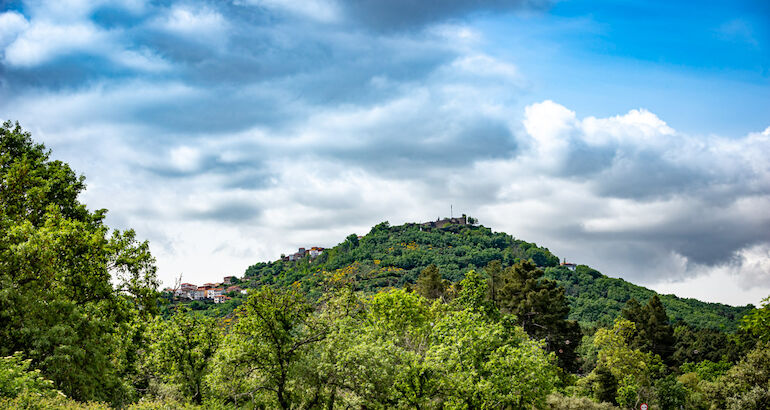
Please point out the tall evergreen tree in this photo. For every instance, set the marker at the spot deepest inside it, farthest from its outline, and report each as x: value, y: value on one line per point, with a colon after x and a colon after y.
x: 430, y: 285
x: 541, y: 309
x: 653, y: 333
x: 659, y: 330
x: 494, y: 271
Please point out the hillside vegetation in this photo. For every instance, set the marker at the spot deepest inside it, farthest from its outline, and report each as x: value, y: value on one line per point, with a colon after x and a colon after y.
x: 393, y: 256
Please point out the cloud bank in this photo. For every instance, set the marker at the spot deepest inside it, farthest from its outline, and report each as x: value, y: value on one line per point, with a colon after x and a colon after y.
x: 231, y: 132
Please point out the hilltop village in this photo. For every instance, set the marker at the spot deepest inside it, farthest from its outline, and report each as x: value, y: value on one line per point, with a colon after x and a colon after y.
x: 229, y: 287
x: 217, y: 292
x: 232, y: 286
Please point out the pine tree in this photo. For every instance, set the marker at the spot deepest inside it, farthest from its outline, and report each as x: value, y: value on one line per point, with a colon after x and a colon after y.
x: 659, y: 330
x: 654, y: 333
x: 430, y: 285
x: 541, y: 308
x: 494, y: 271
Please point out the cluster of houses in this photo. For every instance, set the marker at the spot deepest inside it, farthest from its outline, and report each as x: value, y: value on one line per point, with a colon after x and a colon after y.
x: 302, y: 252
x: 213, y: 291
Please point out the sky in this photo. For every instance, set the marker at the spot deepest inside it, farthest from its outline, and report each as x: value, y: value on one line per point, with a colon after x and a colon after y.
x: 631, y: 136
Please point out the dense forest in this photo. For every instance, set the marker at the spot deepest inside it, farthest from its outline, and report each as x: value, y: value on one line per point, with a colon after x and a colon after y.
x: 403, y: 317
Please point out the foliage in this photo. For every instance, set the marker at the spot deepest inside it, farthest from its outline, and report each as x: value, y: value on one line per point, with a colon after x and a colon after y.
x: 35, y: 401
x: 17, y: 378
x: 757, y: 322
x: 541, y: 309
x: 633, y: 368
x: 557, y: 401
x: 181, y: 350
x: 394, y: 256
x: 695, y: 345
x: 402, y: 352
x: 92, y: 282
x: 653, y: 332
x: 596, y: 300
x: 262, y: 357
x: 473, y: 296
x: 671, y: 394
x: 486, y: 364
x: 706, y: 370
x: 429, y: 284
x: 746, y: 385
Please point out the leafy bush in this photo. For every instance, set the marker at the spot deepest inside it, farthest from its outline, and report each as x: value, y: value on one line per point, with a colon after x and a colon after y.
x: 557, y: 401
x: 16, y: 378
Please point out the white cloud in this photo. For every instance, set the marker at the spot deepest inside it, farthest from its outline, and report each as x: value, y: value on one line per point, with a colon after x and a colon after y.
x: 199, y: 24
x: 185, y: 158
x: 11, y: 25
x: 550, y: 125
x: 361, y: 139
x: 637, y: 127
x: 44, y: 41
x: 314, y: 199
x: 483, y: 65
x: 141, y: 60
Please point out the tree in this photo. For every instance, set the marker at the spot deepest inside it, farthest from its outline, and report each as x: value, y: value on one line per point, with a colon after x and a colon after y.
x: 71, y: 287
x: 695, y: 345
x: 653, y: 331
x: 746, y: 385
x: 430, y: 285
x: 401, y: 352
x: 263, y: 356
x: 16, y: 378
x: 473, y: 295
x: 488, y: 364
x: 541, y: 309
x: 671, y: 394
x: 633, y: 368
x: 494, y: 271
x: 182, y: 349
x: 757, y: 322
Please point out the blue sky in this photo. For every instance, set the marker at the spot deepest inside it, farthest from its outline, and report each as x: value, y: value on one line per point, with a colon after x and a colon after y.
x: 632, y: 136
x: 705, y: 69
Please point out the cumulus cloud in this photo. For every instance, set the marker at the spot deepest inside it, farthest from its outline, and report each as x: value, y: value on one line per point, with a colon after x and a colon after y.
x: 659, y: 195
x: 229, y: 133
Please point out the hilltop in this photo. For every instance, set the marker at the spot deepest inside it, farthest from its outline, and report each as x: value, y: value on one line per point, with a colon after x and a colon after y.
x: 393, y: 256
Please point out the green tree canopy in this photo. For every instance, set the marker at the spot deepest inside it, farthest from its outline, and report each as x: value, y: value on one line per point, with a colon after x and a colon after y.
x: 70, y: 288
x: 430, y: 284
x: 541, y: 308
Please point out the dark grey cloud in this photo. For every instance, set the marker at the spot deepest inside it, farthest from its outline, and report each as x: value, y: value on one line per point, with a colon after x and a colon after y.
x: 228, y: 212
x: 405, y: 148
x: 396, y: 15
x: 646, y: 175
x: 705, y: 235
x: 585, y: 161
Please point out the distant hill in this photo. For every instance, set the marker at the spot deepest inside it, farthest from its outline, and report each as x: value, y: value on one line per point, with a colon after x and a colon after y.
x: 393, y: 256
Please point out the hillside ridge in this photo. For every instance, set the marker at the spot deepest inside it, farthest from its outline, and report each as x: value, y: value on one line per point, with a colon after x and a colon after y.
x: 393, y: 256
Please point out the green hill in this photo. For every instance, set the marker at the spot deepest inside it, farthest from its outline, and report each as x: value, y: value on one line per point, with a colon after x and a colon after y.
x: 393, y: 256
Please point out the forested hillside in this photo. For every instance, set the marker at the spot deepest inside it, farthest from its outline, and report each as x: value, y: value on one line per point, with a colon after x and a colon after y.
x: 405, y: 317
x: 393, y: 256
